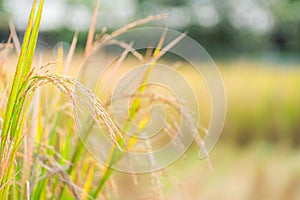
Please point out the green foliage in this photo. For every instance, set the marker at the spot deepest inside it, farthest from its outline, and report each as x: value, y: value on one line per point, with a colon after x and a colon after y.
x: 14, y: 121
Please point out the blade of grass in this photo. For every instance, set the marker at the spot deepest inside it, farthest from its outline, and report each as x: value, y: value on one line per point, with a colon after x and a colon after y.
x: 12, y: 127
x: 116, y: 67
x: 22, y: 70
x: 88, y: 180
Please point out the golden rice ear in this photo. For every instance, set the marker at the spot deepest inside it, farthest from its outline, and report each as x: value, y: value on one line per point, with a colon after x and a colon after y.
x: 66, y: 85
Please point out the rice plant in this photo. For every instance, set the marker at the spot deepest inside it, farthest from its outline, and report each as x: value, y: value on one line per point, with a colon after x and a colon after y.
x: 14, y: 119
x: 41, y: 156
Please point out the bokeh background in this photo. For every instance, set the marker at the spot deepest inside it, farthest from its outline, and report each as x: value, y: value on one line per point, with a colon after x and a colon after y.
x: 225, y: 28
x: 256, y: 46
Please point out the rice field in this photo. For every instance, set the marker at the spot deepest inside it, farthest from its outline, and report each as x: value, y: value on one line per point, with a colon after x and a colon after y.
x: 43, y: 157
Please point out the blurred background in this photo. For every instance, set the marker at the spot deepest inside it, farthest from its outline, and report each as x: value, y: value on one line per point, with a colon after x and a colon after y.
x: 250, y: 28
x: 256, y: 45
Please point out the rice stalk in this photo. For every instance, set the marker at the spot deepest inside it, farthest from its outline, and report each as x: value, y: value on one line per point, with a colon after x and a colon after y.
x: 70, y: 54
x: 1, y: 122
x: 107, y: 37
x: 135, y: 106
x: 130, y: 26
x: 91, y: 34
x: 3, y: 45
x: 88, y: 180
x: 27, y: 190
x: 55, y: 168
x: 13, y: 121
x: 116, y: 67
x: 60, y: 58
x: 14, y: 36
x: 127, y: 47
x: 2, y: 61
x: 22, y: 71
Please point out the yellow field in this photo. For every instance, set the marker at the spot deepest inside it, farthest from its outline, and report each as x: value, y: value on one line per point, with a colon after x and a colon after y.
x: 65, y: 138
x: 257, y: 156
